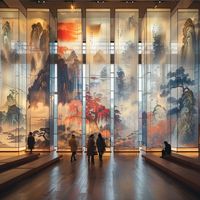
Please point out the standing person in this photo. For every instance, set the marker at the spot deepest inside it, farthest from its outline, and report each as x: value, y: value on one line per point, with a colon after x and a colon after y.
x: 167, y: 150
x: 91, y: 148
x: 31, y: 141
x: 101, y: 146
x: 73, y: 145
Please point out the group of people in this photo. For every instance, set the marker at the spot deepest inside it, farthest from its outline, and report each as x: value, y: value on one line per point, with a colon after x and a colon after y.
x: 91, y: 147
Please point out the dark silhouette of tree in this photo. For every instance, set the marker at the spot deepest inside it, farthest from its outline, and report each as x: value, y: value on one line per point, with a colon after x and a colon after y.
x: 117, y: 115
x: 158, y: 47
x: 44, y: 133
x: 177, y: 79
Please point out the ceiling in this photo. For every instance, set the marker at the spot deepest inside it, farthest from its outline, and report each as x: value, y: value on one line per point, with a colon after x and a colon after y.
x: 142, y: 5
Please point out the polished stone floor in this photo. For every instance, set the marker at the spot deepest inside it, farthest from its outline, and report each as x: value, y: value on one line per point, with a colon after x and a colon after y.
x: 119, y: 177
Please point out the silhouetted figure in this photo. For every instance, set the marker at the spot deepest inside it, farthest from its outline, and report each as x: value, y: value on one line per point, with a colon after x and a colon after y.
x: 31, y: 142
x: 101, y: 146
x: 167, y: 150
x: 91, y: 148
x: 73, y: 145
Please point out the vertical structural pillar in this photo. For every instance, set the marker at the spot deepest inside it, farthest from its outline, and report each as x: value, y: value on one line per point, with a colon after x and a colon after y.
x: 84, y: 80
x: 112, y: 75
x: 53, y: 82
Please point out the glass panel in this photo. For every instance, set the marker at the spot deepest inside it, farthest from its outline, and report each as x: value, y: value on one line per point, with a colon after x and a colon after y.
x: 12, y: 90
x: 126, y: 87
x: 22, y: 80
x: 157, y: 51
x: 38, y: 73
x: 183, y: 79
x: 98, y: 73
x: 69, y: 77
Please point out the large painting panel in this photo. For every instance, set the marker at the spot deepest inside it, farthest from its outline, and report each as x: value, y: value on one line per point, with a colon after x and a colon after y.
x: 38, y: 73
x: 12, y: 110
x: 157, y: 46
x: 126, y: 86
x: 98, y: 107
x: 69, y: 77
x: 183, y: 79
x: 98, y: 73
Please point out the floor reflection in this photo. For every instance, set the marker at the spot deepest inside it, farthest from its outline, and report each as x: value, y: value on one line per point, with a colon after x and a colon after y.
x: 118, y: 177
x: 82, y: 178
x: 109, y: 178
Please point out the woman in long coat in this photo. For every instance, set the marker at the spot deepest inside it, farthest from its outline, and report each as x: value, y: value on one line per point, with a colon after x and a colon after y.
x: 101, y: 146
x: 31, y: 142
x: 91, y: 148
x: 73, y: 145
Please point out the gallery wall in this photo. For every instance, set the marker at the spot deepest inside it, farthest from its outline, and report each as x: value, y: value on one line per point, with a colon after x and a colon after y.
x: 126, y: 79
x: 12, y: 80
x: 156, y: 65
x: 184, y: 79
x: 98, y: 81
x: 69, y: 67
x: 38, y: 77
x: 171, y: 79
x: 65, y: 76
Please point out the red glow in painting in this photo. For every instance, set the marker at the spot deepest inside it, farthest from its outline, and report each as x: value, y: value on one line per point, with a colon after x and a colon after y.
x: 62, y: 50
x: 68, y: 31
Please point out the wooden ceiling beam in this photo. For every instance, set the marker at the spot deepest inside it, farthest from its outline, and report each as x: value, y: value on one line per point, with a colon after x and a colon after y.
x: 139, y: 4
x: 182, y: 4
x: 16, y: 4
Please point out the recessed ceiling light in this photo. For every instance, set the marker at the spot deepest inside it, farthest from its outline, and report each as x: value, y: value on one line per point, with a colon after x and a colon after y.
x: 41, y: 1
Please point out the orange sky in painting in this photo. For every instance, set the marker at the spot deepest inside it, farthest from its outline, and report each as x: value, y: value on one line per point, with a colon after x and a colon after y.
x: 68, y: 31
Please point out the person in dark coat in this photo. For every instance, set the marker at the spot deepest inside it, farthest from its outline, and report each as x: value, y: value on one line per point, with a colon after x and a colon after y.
x: 91, y: 148
x: 167, y: 150
x: 73, y: 145
x: 101, y: 146
x: 31, y: 142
